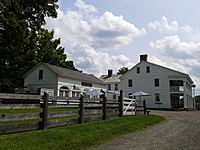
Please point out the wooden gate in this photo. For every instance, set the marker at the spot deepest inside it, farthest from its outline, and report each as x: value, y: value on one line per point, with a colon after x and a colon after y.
x: 129, y: 106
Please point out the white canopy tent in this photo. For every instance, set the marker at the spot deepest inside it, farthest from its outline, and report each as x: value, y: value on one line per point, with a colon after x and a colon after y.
x: 94, y: 93
x: 113, y: 92
x: 140, y: 93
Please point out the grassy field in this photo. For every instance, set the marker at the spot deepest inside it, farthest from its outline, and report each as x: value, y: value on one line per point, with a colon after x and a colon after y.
x: 75, y: 137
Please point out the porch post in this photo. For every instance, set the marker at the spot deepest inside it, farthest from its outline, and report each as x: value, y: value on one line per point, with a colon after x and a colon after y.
x: 185, y: 95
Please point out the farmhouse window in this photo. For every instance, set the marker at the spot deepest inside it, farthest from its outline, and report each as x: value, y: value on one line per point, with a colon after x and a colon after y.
x: 157, y: 97
x: 148, y: 69
x: 156, y: 82
x: 86, y: 84
x: 41, y: 74
x: 109, y: 86
x: 130, y: 83
x: 138, y: 69
x: 116, y: 86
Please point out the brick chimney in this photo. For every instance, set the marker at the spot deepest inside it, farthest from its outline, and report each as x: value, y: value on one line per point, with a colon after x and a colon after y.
x: 110, y: 72
x: 143, y: 57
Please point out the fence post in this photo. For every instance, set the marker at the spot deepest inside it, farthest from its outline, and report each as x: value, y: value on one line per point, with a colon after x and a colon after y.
x: 81, y: 110
x: 144, y: 105
x: 121, y: 104
x: 104, y: 108
x: 45, y: 98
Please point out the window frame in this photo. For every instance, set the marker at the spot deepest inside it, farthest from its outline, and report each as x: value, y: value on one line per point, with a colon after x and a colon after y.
x: 130, y: 83
x: 148, y: 69
x: 41, y: 74
x: 138, y: 69
x: 157, y: 97
x: 109, y: 87
x: 156, y: 82
x: 116, y: 87
x: 86, y: 84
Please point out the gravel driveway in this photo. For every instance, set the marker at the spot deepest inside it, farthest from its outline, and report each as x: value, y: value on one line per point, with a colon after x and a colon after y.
x: 180, y: 131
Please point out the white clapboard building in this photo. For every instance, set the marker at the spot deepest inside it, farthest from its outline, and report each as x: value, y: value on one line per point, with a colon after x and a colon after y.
x: 168, y: 89
x: 60, y: 81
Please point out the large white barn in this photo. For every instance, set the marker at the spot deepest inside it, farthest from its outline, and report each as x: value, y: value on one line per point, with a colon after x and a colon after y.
x: 63, y: 82
x: 169, y: 89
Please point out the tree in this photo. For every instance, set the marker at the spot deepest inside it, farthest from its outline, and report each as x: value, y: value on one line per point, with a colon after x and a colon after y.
x: 197, y: 99
x: 122, y: 70
x: 23, y: 41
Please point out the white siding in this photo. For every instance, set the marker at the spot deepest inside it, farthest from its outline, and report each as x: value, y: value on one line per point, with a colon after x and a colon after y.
x: 112, y: 84
x: 145, y: 81
x: 70, y: 83
x: 49, y: 80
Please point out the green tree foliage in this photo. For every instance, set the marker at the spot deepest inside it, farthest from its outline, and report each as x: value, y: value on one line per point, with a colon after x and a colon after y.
x: 197, y: 99
x: 122, y: 70
x: 23, y: 42
x: 47, y: 50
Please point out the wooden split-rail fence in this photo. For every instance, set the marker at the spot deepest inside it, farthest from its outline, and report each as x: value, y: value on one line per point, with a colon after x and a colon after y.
x: 78, y: 111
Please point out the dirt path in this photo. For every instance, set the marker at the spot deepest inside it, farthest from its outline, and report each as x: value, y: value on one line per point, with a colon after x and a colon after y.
x: 180, y: 131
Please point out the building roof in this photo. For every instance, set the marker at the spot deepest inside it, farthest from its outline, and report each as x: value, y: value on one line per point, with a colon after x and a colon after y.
x: 113, y: 79
x: 181, y: 73
x: 68, y: 73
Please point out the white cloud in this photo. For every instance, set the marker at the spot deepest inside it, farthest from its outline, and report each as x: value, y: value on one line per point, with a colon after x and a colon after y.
x: 85, y: 8
x: 113, y: 31
x: 174, y: 45
x: 98, y: 62
x: 166, y: 27
x: 177, y: 54
x: 88, y: 38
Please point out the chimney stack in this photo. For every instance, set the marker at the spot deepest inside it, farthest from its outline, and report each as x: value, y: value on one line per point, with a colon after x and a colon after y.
x: 143, y: 57
x: 110, y: 72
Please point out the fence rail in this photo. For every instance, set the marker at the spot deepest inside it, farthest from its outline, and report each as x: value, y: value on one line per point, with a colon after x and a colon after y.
x: 78, y: 110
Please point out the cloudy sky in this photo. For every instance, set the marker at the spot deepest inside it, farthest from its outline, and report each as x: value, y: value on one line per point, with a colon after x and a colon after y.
x: 108, y: 34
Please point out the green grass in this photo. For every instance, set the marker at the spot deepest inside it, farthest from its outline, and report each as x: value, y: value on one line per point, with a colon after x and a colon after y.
x: 34, y: 110
x: 20, y: 111
x: 75, y: 137
x: 19, y: 121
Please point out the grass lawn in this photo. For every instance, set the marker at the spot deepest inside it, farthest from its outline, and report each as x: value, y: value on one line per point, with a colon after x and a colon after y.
x: 34, y: 110
x: 75, y: 137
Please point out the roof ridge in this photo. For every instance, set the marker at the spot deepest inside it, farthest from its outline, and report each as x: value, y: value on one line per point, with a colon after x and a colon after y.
x: 61, y: 71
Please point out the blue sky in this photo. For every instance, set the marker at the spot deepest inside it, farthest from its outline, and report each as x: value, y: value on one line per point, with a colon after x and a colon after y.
x: 109, y: 34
